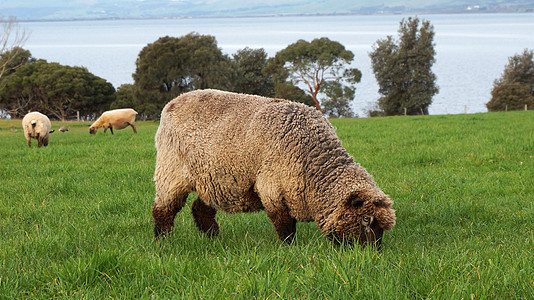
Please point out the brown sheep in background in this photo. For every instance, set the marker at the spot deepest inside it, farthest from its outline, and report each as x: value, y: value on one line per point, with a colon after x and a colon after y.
x: 37, y: 126
x: 118, y: 119
x: 244, y: 153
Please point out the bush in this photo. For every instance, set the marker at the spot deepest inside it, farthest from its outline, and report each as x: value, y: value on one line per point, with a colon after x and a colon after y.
x: 510, y: 96
x: 515, y: 87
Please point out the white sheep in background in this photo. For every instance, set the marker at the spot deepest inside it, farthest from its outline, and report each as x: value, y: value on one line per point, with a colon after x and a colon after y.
x: 118, y: 119
x: 37, y: 126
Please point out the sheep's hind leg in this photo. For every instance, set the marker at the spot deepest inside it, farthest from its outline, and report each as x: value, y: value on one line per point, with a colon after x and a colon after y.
x: 204, y: 217
x: 133, y: 127
x: 285, y: 225
x: 39, y: 141
x: 164, y: 212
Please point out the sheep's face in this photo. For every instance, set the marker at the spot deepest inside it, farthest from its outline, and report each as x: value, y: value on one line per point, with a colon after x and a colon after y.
x: 361, y: 219
x: 92, y: 130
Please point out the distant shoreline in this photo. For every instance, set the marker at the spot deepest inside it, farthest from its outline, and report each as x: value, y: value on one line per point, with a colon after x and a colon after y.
x: 277, y: 16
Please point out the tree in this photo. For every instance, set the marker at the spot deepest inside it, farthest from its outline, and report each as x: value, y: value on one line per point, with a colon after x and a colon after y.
x: 11, y: 61
x: 283, y: 88
x: 12, y: 39
x: 315, y: 63
x: 54, y: 89
x: 125, y: 97
x: 128, y: 96
x: 520, y: 69
x: 286, y: 90
x: 403, y: 69
x: 14, y: 101
x: 249, y: 77
x: 338, y: 98
x: 171, y: 66
x: 13, y: 106
x: 515, y: 88
x: 510, y: 96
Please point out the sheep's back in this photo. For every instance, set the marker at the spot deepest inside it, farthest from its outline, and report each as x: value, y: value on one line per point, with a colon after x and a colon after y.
x: 211, y: 120
x: 222, y: 141
x: 42, y: 126
x: 120, y: 115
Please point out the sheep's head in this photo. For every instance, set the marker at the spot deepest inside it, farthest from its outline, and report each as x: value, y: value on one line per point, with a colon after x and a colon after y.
x: 361, y: 218
x: 92, y: 130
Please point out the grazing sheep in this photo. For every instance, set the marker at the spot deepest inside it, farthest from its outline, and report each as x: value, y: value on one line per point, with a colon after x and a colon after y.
x: 63, y: 129
x: 244, y: 153
x: 118, y: 119
x: 37, y: 126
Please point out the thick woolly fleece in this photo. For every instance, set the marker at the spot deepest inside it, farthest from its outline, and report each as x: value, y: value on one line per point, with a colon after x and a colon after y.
x: 37, y: 126
x: 115, y: 119
x: 244, y: 153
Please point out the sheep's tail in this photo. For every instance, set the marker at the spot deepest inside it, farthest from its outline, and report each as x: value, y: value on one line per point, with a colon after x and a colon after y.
x: 33, y: 122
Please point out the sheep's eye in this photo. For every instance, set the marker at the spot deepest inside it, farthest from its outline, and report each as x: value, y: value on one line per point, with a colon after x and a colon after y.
x: 366, y: 220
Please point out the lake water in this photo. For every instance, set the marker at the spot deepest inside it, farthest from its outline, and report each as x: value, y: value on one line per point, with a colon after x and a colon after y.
x: 472, y: 50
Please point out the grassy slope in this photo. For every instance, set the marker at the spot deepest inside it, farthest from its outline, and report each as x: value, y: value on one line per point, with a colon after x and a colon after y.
x: 75, y: 219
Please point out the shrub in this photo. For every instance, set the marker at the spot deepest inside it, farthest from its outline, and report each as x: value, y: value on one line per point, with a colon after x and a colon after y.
x: 515, y: 87
x: 510, y: 96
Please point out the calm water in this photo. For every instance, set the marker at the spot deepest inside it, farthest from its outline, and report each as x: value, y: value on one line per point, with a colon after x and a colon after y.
x: 472, y: 50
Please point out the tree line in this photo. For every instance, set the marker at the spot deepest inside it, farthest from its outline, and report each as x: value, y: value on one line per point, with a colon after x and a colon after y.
x: 317, y: 73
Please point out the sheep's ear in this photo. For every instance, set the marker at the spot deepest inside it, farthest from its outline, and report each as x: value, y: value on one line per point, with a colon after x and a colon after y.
x: 356, y: 201
x: 383, y: 202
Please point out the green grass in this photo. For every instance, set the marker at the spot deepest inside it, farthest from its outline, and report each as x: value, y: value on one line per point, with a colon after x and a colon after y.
x: 75, y: 219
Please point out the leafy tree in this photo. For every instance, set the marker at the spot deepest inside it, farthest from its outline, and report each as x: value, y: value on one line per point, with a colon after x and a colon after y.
x: 403, y: 69
x: 283, y: 88
x: 171, y: 66
x: 128, y: 96
x: 88, y: 93
x: 515, y: 88
x: 520, y: 69
x: 125, y: 97
x: 249, y: 77
x: 286, y: 90
x: 55, y: 89
x: 338, y: 98
x: 315, y: 63
x: 14, y: 58
x: 510, y: 96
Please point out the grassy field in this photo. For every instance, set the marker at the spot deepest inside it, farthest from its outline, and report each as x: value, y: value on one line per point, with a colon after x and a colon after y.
x: 75, y: 219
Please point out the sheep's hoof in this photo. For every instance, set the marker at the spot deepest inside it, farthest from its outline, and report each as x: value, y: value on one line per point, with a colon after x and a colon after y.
x: 284, y: 224
x: 159, y: 232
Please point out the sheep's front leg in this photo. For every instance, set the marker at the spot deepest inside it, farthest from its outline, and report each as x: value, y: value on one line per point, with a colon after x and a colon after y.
x: 285, y: 225
x: 111, y: 128
x: 204, y: 217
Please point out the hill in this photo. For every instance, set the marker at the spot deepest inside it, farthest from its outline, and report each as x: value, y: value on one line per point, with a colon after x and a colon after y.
x: 26, y: 10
